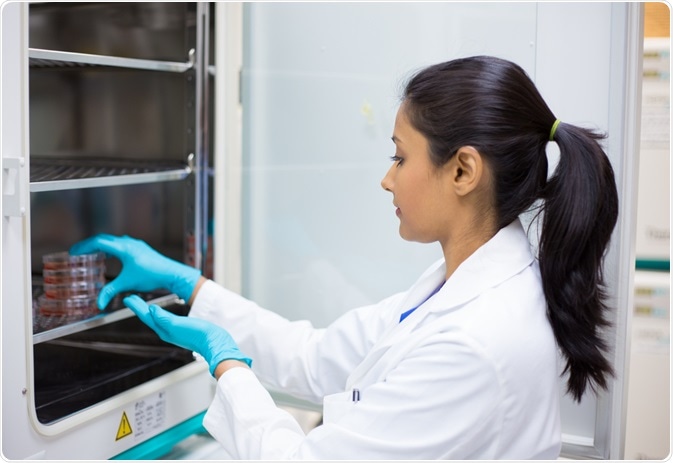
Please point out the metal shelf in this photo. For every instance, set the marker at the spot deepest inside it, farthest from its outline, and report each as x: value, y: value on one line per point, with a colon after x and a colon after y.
x: 51, y: 174
x: 98, y: 320
x: 39, y: 57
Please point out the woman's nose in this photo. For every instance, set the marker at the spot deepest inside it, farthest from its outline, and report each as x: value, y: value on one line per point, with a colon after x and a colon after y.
x: 387, y: 181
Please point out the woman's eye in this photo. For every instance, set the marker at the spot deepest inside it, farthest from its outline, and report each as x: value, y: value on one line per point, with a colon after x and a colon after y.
x: 396, y: 159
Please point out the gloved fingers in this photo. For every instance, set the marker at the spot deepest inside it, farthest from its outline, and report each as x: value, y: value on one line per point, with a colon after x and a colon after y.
x: 109, y: 291
x: 118, y: 285
x: 186, y: 332
x: 142, y: 311
x: 106, y: 294
x: 165, y: 321
x: 97, y: 243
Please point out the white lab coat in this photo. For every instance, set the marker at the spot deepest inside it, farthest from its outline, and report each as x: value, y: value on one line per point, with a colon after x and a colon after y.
x: 471, y: 374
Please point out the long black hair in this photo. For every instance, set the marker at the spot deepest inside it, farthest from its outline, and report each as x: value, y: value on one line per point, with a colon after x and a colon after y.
x: 492, y: 105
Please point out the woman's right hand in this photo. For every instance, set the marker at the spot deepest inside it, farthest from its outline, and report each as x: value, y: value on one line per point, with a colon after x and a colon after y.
x: 143, y: 268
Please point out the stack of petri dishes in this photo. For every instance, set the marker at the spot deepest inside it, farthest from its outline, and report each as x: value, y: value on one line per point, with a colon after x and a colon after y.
x: 71, y: 284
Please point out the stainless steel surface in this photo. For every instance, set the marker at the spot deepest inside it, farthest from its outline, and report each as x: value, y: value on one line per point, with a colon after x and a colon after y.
x: 142, y: 30
x: 202, y: 139
x: 94, y: 89
x: 99, y: 320
x: 110, y: 142
x: 58, y: 174
x: 137, y: 350
x: 52, y: 58
x: 110, y: 181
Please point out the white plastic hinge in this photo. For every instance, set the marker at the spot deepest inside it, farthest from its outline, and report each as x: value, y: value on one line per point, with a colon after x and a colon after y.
x: 13, y: 202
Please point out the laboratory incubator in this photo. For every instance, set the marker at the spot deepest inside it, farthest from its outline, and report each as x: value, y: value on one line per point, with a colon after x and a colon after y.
x: 117, y: 119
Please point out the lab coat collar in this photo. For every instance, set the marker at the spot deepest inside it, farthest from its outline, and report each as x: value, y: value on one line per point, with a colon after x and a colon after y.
x: 500, y: 258
x: 503, y: 256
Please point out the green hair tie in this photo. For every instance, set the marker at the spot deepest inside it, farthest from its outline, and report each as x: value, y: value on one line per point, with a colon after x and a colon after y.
x: 552, y: 132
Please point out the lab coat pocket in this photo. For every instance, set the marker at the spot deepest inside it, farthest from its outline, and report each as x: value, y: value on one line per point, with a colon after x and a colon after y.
x: 335, y: 406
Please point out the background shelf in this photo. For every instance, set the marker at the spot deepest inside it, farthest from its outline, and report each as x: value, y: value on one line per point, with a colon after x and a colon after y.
x: 50, y: 174
x: 61, y: 59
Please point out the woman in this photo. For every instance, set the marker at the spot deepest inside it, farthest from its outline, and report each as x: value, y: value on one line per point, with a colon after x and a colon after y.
x: 463, y: 365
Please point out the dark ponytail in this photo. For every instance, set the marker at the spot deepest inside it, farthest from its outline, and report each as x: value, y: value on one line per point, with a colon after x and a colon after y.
x: 580, y: 213
x: 492, y: 105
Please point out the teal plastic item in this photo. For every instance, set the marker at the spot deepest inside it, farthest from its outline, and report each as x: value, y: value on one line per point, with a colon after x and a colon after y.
x: 653, y: 264
x: 160, y: 445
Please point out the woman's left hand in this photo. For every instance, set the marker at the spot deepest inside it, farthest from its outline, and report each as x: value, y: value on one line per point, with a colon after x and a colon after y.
x: 210, y: 341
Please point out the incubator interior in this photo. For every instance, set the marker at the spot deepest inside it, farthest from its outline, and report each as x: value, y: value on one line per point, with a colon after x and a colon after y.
x: 113, y: 149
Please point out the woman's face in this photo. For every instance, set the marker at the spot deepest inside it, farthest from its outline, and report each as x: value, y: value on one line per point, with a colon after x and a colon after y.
x: 420, y: 190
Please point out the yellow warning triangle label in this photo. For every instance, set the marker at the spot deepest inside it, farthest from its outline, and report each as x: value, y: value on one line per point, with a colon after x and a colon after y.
x: 124, y: 427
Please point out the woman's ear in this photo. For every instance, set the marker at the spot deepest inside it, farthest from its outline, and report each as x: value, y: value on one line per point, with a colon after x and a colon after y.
x: 467, y: 170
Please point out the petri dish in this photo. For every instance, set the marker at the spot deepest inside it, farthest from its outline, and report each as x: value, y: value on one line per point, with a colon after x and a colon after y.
x: 74, y: 274
x: 83, y: 306
x: 60, y: 260
x: 76, y: 289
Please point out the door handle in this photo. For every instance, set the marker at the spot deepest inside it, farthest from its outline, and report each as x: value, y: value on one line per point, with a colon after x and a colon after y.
x: 13, y: 201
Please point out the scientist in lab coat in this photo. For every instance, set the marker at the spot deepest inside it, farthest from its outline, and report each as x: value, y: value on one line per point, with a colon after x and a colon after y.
x: 462, y: 365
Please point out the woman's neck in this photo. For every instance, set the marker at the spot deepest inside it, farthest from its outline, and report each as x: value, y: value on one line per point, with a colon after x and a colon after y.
x: 463, y: 243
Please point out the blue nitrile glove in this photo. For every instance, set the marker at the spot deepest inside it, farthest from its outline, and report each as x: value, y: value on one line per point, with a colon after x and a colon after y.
x: 210, y: 341
x: 143, y: 268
